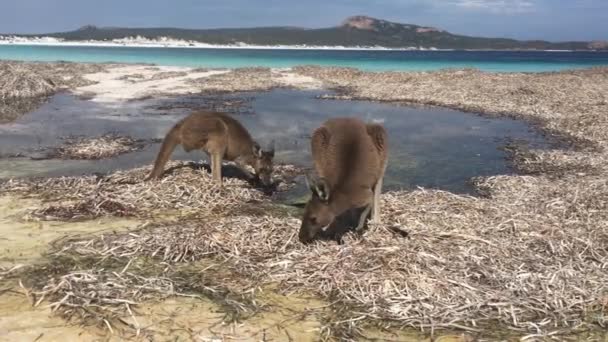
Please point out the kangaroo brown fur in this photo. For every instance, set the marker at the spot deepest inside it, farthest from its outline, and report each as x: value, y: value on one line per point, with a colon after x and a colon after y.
x: 223, y: 138
x: 350, y: 158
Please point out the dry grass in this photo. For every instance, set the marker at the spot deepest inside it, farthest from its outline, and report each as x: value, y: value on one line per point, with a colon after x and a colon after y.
x: 105, y: 146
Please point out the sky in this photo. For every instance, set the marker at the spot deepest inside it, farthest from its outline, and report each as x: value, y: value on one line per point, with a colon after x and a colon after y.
x: 522, y: 19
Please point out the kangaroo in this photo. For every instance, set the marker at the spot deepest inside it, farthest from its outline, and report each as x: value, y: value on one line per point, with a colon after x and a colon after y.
x: 222, y: 138
x: 350, y: 158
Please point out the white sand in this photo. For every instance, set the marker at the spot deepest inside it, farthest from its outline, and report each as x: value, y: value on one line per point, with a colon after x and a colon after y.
x: 167, y: 42
x: 113, y: 88
x: 131, y: 82
x: 289, y: 79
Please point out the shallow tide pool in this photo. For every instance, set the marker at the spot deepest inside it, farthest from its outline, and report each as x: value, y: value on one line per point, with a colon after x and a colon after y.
x: 429, y: 147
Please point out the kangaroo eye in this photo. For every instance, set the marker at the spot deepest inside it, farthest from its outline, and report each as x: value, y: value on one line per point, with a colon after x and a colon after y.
x: 313, y: 220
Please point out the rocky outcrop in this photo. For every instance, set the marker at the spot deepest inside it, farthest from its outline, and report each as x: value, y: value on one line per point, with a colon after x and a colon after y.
x: 428, y: 29
x: 360, y: 22
x: 599, y: 45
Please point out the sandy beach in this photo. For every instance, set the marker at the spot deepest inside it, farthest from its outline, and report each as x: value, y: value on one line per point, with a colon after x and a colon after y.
x: 167, y: 42
x: 526, y: 258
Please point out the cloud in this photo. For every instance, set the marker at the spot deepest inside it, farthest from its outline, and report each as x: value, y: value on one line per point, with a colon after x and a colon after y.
x: 498, y: 6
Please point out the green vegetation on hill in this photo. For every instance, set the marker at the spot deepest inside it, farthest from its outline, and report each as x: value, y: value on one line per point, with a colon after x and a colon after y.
x: 354, y: 31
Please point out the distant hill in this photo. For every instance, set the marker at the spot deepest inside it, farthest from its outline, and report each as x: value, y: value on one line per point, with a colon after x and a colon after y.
x: 354, y: 31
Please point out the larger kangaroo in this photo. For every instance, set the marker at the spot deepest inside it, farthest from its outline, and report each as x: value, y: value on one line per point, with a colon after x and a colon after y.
x: 350, y: 158
x: 222, y: 138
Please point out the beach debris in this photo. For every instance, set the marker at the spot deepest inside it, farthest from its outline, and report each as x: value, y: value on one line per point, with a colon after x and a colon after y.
x: 35, y: 79
x: 234, y: 105
x: 571, y: 103
x: 238, y: 80
x: 20, y: 81
x: 530, y: 265
x: 93, y: 148
x: 139, y: 77
x: 185, y: 186
x: 25, y: 85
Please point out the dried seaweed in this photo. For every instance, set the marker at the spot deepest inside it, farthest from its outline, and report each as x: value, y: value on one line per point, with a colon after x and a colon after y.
x: 571, y: 103
x: 238, y: 80
x: 502, y: 261
x: 92, y: 148
x: 186, y: 187
x: 25, y: 85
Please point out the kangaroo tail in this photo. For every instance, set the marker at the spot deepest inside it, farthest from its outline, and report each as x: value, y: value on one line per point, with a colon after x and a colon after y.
x: 166, y: 149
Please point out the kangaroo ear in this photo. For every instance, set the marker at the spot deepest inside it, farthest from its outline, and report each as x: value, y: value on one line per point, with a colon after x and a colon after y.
x: 319, y: 187
x: 256, y: 150
x: 323, y: 190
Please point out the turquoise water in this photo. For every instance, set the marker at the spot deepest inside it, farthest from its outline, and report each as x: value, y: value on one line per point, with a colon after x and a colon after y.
x: 502, y: 61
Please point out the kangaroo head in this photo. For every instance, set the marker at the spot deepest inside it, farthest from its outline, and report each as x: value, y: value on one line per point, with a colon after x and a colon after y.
x: 318, y: 214
x: 262, y: 163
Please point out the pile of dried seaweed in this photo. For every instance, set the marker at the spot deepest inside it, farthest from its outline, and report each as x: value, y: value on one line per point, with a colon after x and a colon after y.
x: 105, y: 146
x: 185, y: 187
x: 138, y: 77
x: 32, y: 79
x: 20, y: 81
x: 24, y: 85
x: 532, y: 264
x: 531, y: 255
x: 239, y: 79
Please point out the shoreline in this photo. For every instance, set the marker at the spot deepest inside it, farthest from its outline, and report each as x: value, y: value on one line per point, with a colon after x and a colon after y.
x: 199, y: 45
x: 177, y: 44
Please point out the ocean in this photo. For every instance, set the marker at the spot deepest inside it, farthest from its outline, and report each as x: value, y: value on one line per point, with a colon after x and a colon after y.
x: 498, y: 61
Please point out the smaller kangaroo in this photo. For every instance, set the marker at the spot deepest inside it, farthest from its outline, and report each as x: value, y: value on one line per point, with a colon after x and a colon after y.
x: 222, y: 138
x: 350, y: 158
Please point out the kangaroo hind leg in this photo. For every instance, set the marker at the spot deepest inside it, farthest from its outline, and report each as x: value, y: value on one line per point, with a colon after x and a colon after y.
x: 216, y: 167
